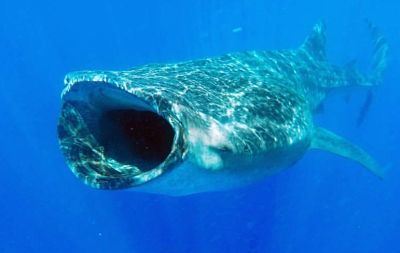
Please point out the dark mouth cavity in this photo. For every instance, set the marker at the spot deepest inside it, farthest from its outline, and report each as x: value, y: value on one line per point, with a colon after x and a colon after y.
x: 140, y: 138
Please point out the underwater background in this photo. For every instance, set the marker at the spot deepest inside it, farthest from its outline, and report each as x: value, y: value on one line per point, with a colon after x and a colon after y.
x: 323, y: 203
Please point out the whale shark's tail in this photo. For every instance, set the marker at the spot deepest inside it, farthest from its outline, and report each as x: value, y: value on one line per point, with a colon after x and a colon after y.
x: 349, y: 75
x: 336, y: 77
x: 378, y: 63
x: 378, y: 66
x: 379, y: 59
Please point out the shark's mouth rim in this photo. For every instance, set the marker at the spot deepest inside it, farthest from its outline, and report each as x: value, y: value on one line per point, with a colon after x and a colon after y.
x: 120, y: 178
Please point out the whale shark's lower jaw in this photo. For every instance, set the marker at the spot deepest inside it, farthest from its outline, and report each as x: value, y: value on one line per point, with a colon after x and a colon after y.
x: 113, y: 139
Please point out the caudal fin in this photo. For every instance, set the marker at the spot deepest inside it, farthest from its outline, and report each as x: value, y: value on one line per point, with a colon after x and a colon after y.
x: 314, y: 47
x: 379, y: 57
x: 378, y: 63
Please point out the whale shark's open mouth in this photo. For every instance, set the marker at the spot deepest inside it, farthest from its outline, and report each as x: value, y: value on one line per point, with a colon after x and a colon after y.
x: 113, y: 139
x: 131, y: 136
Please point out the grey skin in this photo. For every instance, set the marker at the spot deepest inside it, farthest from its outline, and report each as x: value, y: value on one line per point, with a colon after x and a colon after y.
x: 206, y: 125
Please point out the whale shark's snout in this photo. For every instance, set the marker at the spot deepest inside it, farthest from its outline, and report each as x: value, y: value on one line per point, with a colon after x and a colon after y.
x: 113, y: 139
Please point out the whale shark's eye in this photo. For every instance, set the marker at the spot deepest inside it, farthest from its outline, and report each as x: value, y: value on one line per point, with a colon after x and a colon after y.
x: 141, y: 138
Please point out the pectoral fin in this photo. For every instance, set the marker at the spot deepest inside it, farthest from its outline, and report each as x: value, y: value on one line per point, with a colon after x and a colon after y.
x: 328, y: 141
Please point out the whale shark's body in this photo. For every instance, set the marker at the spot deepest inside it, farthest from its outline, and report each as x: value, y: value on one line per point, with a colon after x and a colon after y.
x: 209, y: 124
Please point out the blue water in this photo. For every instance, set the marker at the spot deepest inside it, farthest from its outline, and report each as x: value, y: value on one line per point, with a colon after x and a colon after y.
x: 322, y: 204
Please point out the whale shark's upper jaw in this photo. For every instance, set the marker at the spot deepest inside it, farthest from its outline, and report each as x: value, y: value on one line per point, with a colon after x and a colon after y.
x: 115, y: 139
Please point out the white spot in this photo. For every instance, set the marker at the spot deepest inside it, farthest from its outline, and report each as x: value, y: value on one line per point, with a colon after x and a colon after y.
x: 176, y: 108
x: 217, y: 135
x: 229, y: 112
x: 98, y: 78
x: 209, y: 159
x: 202, y: 142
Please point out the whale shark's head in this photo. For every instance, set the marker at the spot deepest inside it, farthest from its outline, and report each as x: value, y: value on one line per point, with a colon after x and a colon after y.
x: 115, y: 138
x: 118, y: 132
x: 175, y: 130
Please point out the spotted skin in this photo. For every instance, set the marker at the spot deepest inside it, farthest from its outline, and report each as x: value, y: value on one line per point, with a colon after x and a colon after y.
x: 225, y: 110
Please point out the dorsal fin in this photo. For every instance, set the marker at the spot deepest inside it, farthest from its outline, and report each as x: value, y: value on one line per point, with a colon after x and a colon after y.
x: 314, y: 44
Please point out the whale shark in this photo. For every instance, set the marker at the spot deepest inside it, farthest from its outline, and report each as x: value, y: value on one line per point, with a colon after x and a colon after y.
x: 210, y: 124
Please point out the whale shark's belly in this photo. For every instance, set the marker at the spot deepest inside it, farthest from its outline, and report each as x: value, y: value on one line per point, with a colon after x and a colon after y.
x: 189, y: 178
